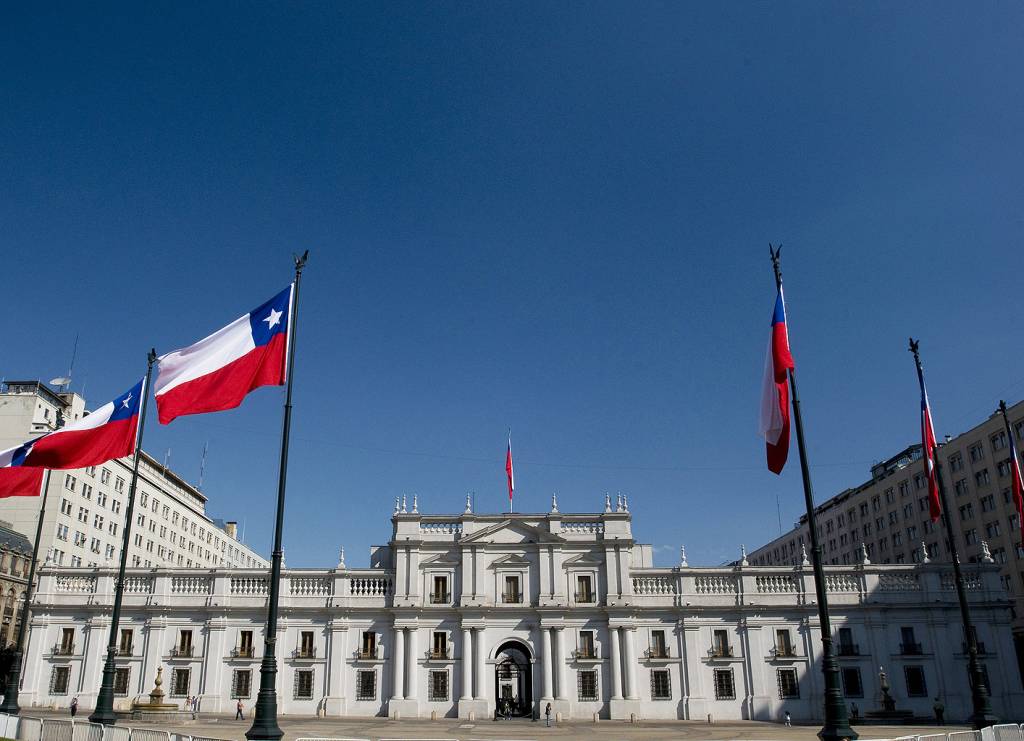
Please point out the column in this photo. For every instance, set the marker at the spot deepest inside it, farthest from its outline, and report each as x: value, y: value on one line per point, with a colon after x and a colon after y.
x: 467, y: 664
x: 630, y: 637
x: 398, y: 662
x: 616, y: 664
x: 545, y: 649
x: 413, y: 657
x: 561, y: 659
x: 480, y: 655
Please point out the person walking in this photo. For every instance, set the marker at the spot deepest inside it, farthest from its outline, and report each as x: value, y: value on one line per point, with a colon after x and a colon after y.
x: 789, y: 719
x: 238, y: 711
x: 547, y: 714
x: 74, y: 706
x: 940, y: 712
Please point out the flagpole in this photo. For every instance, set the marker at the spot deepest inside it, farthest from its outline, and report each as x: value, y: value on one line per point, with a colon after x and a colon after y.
x: 837, y: 723
x: 104, y: 712
x: 264, y: 718
x: 982, y: 715
x: 10, y: 703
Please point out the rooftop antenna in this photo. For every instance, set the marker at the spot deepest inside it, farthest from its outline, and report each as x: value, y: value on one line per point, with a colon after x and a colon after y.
x: 202, y: 465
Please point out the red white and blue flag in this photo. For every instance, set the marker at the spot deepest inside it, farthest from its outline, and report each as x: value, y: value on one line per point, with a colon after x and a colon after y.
x: 105, y: 434
x: 928, y: 442
x: 774, y: 425
x: 508, y: 470
x: 1018, y: 484
x: 217, y: 372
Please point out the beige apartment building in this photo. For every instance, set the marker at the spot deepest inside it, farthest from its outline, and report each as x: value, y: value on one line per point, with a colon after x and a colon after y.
x: 83, y: 525
x: 889, y: 513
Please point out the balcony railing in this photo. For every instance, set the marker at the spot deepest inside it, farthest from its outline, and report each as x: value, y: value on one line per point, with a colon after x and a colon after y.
x: 657, y: 652
x: 511, y: 598
x: 440, y: 598
x: 304, y: 653
x: 372, y: 654
x: 783, y: 652
x: 720, y: 652
x: 911, y: 649
x: 181, y: 652
x: 125, y: 651
x: 848, y: 649
x: 585, y: 653
x: 243, y: 652
x: 585, y: 598
x: 64, y: 649
x: 438, y: 654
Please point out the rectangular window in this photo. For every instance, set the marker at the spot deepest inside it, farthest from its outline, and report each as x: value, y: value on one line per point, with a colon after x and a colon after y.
x: 121, y: 675
x: 439, y: 649
x: 69, y: 482
x: 661, y: 684
x: 961, y: 487
x: 789, y: 686
x: 852, y: 686
x: 59, y: 679
x: 245, y: 643
x: 124, y: 648
x: 303, y: 685
x: 180, y: 683
x: 725, y: 689
x: 584, y: 590
x: 586, y: 645
x: 241, y: 683
x: 998, y: 440
x: 438, y: 685
x: 783, y: 643
x: 916, y: 686
x: 440, y: 594
x: 587, y: 681
x: 956, y: 463
x: 511, y: 594
x: 988, y: 503
x: 908, y: 646
x: 306, y: 648
x: 104, y: 476
x: 659, y: 649
x: 369, y: 645
x: 976, y: 453
x: 720, y: 643
x: 981, y: 477
x: 366, y: 685
x: 904, y: 488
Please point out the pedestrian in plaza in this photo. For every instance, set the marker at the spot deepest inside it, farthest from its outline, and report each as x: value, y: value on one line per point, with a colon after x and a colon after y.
x: 74, y: 706
x: 547, y: 714
x: 789, y: 719
x: 238, y: 711
x: 940, y: 712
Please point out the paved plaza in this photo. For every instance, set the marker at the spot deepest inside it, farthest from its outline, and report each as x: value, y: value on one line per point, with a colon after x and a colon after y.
x: 381, y: 729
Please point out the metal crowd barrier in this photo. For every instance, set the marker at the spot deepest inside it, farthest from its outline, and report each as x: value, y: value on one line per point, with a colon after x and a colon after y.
x: 23, y: 728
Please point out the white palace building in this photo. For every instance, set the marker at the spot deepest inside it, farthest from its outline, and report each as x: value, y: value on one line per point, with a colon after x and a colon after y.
x: 460, y: 615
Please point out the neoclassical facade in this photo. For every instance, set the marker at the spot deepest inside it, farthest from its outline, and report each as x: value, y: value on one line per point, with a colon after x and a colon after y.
x: 463, y: 615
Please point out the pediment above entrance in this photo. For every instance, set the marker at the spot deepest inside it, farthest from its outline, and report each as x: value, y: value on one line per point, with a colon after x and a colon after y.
x: 510, y: 532
x: 441, y: 559
x: 584, y: 559
x: 512, y: 559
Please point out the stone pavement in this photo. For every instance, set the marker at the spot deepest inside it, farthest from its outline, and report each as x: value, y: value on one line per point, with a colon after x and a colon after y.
x: 380, y: 729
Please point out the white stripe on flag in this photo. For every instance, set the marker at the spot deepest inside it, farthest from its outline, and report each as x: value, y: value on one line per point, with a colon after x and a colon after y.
x: 209, y: 354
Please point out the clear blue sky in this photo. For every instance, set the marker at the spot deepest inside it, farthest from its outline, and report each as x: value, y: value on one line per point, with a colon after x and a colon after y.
x: 553, y: 217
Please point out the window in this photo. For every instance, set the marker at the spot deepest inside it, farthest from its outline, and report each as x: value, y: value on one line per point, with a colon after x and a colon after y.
x: 67, y: 641
x: 104, y: 476
x: 992, y: 529
x: 846, y: 645
x: 894, y: 517
x: 852, y: 686
x: 956, y: 462
x: 511, y: 594
x: 998, y: 440
x: 659, y: 650
x: 62, y: 532
x: 69, y: 482
x: 783, y: 643
x: 999, y: 555
x: 916, y: 686
x: 725, y: 689
x: 94, y: 545
x: 112, y: 528
x: 76, y: 560
x: 912, y: 533
x: 897, y: 538
x: 981, y: 477
x: 586, y: 645
x: 83, y: 514
x: 789, y: 686
x: 366, y: 684
x: 119, y: 485
x: 584, y: 590
x: 65, y: 507
x: 988, y: 503
x: 101, y: 499
x: 967, y: 511
x: 904, y: 488
x: 303, y: 684
x: 180, y: 682
x: 1004, y: 467
x: 976, y: 453
x: 438, y: 686
x: 121, y: 675
x: 908, y: 646
x: 890, y: 497
x: 661, y: 684
x: 961, y: 487
x: 86, y: 491
x: 59, y: 679
x: 919, y: 481
x: 369, y: 649
x: 306, y: 648
x: 115, y: 506
x: 720, y: 643
x: 241, y: 683
x: 440, y: 593
x: 864, y: 509
x: 124, y: 647
x: 439, y: 648
x: 185, y: 643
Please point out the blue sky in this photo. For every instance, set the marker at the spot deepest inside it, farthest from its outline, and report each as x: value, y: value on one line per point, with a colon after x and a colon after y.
x: 550, y: 217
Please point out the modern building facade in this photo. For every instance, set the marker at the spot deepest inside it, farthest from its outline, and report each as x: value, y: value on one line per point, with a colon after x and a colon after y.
x: 889, y: 513
x: 84, y: 520
x: 464, y: 615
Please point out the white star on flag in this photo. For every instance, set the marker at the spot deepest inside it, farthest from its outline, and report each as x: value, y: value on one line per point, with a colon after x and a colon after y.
x: 273, y: 318
x: 126, y: 400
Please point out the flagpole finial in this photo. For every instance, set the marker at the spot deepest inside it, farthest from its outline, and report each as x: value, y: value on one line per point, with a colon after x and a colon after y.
x: 300, y: 261
x: 775, y: 252
x: 915, y: 346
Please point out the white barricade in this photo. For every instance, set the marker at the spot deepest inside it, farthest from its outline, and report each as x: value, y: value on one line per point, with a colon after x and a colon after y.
x: 205, y: 738
x: 1006, y: 732
x: 86, y: 731
x: 29, y: 729
x: 965, y: 736
x: 147, y: 734
x: 8, y: 725
x: 57, y: 730
x: 117, y: 733
x: 331, y: 738
x: 933, y: 737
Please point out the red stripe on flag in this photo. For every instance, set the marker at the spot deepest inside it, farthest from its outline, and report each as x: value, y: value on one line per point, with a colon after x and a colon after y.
x: 19, y: 481
x: 80, y: 448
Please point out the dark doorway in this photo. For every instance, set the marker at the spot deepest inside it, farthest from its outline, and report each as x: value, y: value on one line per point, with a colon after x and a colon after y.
x: 513, y: 685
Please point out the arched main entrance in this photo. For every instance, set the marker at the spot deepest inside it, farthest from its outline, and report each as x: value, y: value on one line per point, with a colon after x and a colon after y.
x: 513, y: 682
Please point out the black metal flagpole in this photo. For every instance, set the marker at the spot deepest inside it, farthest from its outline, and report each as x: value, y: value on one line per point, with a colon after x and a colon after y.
x: 982, y: 715
x: 104, y: 712
x: 264, y: 718
x: 837, y: 723
x: 10, y: 703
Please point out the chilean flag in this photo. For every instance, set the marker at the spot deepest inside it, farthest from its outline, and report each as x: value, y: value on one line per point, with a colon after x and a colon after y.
x: 216, y: 373
x: 775, y: 393
x: 1018, y: 485
x: 928, y: 442
x: 508, y: 470
x: 107, y: 433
